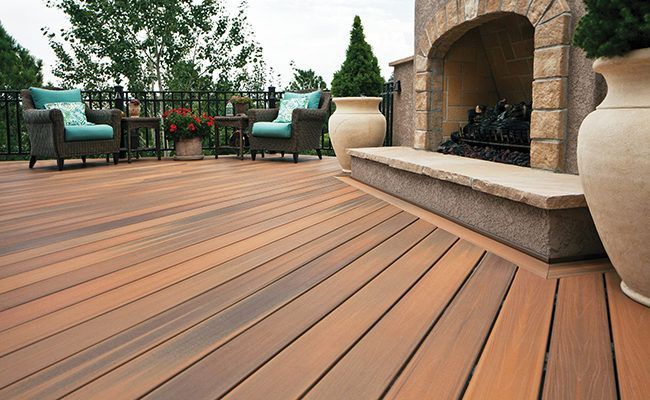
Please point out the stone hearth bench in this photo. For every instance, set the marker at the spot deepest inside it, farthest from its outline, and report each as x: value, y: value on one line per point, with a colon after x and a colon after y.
x: 541, y: 213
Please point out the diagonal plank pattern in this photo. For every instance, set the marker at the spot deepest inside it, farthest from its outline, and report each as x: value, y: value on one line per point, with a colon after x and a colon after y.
x: 269, y: 280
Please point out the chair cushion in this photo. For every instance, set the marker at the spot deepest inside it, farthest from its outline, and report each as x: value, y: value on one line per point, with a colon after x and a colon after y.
x: 313, y: 98
x: 88, y: 132
x: 287, y: 106
x: 73, y: 113
x: 40, y: 97
x: 277, y: 130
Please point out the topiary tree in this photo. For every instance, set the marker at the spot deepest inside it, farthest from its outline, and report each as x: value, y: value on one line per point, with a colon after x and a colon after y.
x: 359, y: 75
x: 613, y: 27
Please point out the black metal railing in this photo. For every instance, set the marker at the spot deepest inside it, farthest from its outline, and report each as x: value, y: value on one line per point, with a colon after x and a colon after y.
x: 14, y: 140
x: 387, y: 109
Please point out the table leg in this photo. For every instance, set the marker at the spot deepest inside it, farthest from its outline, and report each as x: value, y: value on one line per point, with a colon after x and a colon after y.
x: 157, y: 132
x: 128, y: 145
x: 241, y: 143
x: 217, y: 142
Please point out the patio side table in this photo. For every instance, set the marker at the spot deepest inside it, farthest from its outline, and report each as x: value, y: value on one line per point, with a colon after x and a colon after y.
x: 130, y: 124
x: 240, y: 122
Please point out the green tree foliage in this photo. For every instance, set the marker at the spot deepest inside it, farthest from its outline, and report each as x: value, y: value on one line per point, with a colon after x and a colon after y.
x: 359, y: 75
x: 156, y: 44
x: 614, y: 27
x: 18, y: 69
x: 305, y: 79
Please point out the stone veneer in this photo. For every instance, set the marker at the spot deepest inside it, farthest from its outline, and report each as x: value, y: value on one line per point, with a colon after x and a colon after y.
x: 564, y: 89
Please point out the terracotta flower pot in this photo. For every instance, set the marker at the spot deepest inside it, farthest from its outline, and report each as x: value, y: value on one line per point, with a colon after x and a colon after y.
x: 356, y: 123
x: 614, y: 165
x: 188, y: 149
x: 241, y: 108
x: 134, y: 110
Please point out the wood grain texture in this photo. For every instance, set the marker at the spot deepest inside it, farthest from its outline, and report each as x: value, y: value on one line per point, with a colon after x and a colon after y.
x: 296, y: 368
x: 631, y: 331
x: 511, y: 364
x: 367, y: 370
x: 269, y: 279
x: 580, y: 364
x: 442, y: 364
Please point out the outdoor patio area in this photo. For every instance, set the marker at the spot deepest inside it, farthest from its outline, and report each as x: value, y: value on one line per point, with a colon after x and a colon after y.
x: 274, y: 280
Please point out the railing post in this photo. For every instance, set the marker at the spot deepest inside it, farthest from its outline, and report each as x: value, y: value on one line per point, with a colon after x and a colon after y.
x: 119, y: 97
x: 272, y: 98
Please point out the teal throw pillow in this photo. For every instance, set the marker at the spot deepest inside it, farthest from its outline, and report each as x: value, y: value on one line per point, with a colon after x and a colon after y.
x: 73, y: 113
x: 41, y: 97
x: 288, y: 105
x: 314, y: 98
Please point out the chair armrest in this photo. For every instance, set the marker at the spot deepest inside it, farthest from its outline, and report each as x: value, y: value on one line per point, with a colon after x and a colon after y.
x: 262, y: 115
x: 109, y: 117
x: 308, y: 115
x: 39, y: 117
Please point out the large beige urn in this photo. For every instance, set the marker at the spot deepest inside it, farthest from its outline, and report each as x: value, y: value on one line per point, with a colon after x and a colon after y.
x: 614, y: 166
x: 357, y: 122
x: 188, y: 149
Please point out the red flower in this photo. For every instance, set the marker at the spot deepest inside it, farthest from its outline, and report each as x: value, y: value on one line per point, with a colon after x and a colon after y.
x: 191, y: 127
x: 210, y: 122
x: 197, y: 120
x: 172, y: 128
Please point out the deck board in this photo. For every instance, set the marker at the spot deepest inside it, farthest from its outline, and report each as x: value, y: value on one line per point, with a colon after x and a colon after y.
x: 268, y: 279
x: 442, y: 364
x: 631, y: 333
x: 580, y: 364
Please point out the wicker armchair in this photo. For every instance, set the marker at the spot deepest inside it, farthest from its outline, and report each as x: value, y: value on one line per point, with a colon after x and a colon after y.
x: 47, y: 134
x: 306, y: 129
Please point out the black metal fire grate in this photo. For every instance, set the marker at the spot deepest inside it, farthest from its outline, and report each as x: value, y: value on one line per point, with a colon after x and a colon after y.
x: 500, y: 134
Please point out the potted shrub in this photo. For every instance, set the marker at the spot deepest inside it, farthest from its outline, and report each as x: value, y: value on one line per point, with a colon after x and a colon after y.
x: 134, y: 108
x: 614, y: 140
x: 187, y: 129
x: 241, y: 104
x: 357, y: 121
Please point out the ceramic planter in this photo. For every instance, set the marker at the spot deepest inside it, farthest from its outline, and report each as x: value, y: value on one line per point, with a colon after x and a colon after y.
x: 356, y: 123
x: 614, y: 165
x: 241, y: 108
x: 188, y: 149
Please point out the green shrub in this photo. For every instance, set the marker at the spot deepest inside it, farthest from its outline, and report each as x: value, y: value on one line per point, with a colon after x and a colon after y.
x: 613, y: 27
x: 359, y: 75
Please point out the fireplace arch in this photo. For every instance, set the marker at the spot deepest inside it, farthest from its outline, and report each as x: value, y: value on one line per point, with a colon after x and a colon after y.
x: 551, y: 21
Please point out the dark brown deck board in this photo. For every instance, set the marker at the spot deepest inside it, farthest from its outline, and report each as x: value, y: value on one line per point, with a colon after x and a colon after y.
x: 268, y: 280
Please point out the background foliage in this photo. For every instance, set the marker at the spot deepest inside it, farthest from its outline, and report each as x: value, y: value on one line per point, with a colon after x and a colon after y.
x: 156, y: 44
x: 18, y: 68
x: 359, y: 75
x: 614, y: 27
x: 305, y: 79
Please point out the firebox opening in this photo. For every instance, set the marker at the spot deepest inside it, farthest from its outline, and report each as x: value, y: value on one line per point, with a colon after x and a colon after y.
x: 487, y: 92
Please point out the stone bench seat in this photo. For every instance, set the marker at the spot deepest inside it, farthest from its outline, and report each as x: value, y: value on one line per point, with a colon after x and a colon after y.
x: 542, y: 213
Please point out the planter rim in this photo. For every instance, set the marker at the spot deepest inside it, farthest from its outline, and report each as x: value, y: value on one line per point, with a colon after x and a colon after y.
x: 346, y: 99
x: 634, y: 56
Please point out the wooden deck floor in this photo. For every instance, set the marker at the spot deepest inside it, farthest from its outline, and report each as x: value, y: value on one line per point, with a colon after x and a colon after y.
x: 269, y: 280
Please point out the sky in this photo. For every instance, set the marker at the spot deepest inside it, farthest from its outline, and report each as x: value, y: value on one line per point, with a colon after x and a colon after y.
x: 313, y: 33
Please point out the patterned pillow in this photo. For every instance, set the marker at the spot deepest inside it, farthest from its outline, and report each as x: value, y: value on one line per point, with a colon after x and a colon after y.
x: 73, y: 113
x: 288, y: 105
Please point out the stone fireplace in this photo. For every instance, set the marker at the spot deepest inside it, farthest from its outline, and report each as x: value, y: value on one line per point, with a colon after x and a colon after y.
x: 470, y: 52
